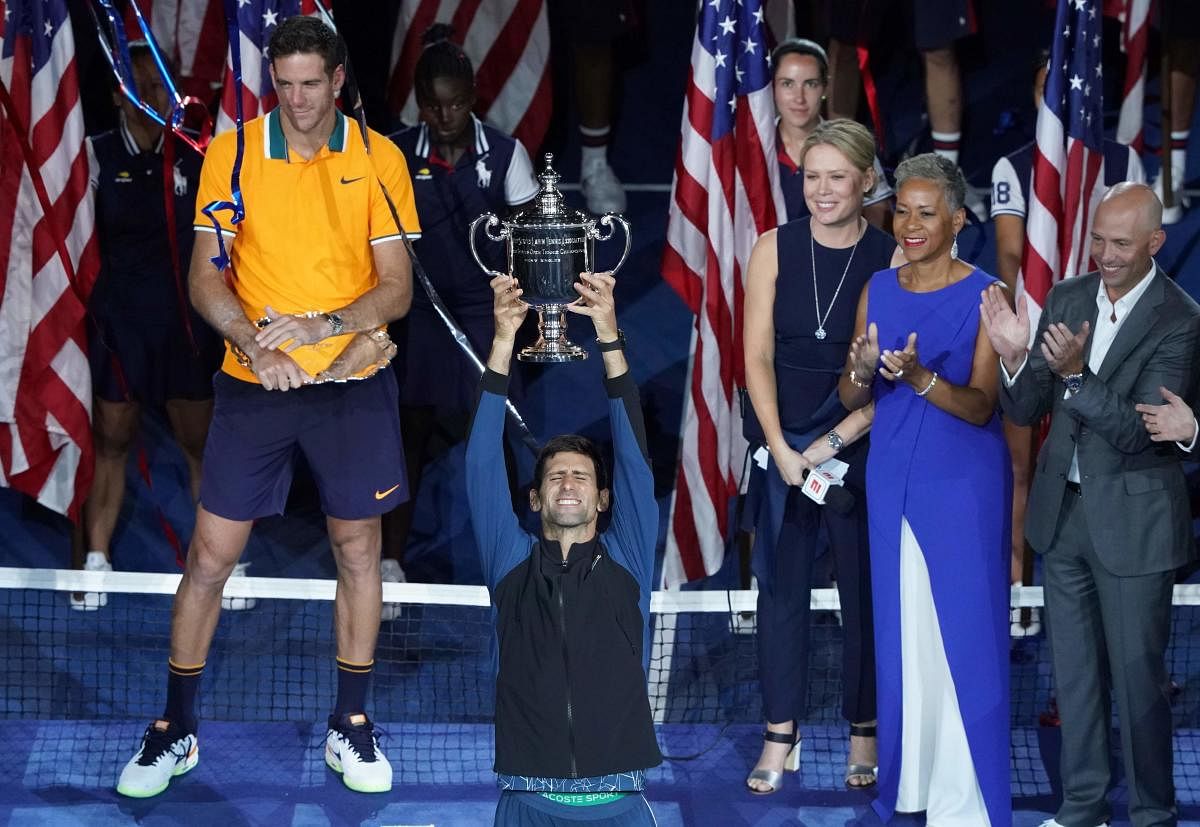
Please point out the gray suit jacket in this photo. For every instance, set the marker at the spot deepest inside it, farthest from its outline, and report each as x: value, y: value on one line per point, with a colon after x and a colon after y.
x: 1134, y: 494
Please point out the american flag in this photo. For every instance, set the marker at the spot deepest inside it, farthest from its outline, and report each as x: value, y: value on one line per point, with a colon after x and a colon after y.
x: 508, y: 41
x: 1135, y: 41
x: 48, y: 259
x: 257, y: 20
x: 1068, y: 159
x: 191, y: 33
x: 726, y: 193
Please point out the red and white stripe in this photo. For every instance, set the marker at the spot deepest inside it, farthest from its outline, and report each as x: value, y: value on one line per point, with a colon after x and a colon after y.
x: 1135, y: 40
x: 192, y: 34
x: 258, y: 90
x: 48, y: 263
x: 725, y: 195
x: 508, y: 41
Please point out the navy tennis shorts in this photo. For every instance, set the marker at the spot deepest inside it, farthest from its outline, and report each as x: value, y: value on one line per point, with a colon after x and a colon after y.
x: 1184, y: 18
x: 348, y: 432
x: 937, y: 24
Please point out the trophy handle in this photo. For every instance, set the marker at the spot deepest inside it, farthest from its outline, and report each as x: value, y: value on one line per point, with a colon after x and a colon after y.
x: 607, y: 220
x: 492, y: 221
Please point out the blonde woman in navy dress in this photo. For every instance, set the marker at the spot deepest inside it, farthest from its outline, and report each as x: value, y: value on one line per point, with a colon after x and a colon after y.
x: 800, y: 296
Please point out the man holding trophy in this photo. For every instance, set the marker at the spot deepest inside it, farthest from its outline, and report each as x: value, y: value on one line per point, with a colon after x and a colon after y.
x: 574, y: 734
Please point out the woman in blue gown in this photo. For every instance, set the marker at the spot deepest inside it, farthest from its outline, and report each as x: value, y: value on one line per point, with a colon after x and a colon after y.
x: 939, y: 490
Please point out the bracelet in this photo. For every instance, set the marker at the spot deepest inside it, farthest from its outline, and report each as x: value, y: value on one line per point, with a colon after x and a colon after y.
x: 929, y: 387
x: 854, y: 381
x: 834, y: 440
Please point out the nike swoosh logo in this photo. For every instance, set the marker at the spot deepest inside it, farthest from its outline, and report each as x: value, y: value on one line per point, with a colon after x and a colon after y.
x: 346, y: 180
x: 379, y: 495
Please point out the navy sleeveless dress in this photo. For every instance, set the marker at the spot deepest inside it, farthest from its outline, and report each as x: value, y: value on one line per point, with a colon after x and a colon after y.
x: 788, y: 524
x: 940, y: 511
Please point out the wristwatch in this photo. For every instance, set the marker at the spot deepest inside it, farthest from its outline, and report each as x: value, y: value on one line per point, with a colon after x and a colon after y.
x: 616, y: 344
x: 335, y: 323
x: 834, y: 440
x: 1074, y: 382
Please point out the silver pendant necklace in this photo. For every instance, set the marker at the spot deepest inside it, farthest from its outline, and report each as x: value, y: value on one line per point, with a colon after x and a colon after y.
x: 812, y: 255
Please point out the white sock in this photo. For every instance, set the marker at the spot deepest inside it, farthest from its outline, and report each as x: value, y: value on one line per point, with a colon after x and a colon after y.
x: 1179, y: 141
x: 95, y: 559
x: 946, y: 144
x: 594, y: 152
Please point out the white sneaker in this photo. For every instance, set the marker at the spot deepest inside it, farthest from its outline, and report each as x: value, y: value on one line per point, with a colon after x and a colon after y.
x: 1016, y: 629
x: 91, y: 601
x: 352, y: 749
x: 239, y: 604
x: 602, y: 189
x: 1180, y: 202
x: 165, y: 753
x: 392, y: 573
x: 1052, y: 823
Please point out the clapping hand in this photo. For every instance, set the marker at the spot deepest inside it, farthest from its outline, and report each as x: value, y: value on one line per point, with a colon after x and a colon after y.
x: 1172, y: 422
x: 1008, y: 331
x: 901, y: 364
x: 864, y: 353
x: 1063, y: 349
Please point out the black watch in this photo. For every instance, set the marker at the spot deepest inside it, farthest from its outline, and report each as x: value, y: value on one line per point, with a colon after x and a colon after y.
x: 616, y: 344
x: 1074, y: 382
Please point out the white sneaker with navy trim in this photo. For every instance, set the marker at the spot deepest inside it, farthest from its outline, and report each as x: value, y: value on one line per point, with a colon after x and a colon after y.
x: 91, y: 601
x: 165, y: 753
x: 238, y: 604
x: 391, y: 572
x: 352, y: 749
x: 602, y: 189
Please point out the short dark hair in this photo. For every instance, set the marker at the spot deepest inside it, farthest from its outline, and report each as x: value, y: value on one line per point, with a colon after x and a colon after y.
x: 573, y: 444
x: 302, y: 35
x: 800, y: 46
x: 440, y: 57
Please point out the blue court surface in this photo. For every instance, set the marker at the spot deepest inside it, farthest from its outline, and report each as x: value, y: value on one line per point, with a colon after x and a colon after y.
x: 77, y: 690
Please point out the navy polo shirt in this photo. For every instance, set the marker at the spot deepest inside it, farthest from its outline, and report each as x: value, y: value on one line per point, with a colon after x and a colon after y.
x: 136, y: 278
x: 492, y: 175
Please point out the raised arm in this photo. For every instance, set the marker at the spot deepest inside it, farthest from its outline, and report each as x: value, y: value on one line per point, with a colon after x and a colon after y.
x: 634, y: 521
x: 498, y: 535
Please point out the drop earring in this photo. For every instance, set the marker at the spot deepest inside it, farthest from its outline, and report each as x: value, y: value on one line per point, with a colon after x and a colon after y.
x: 954, y: 247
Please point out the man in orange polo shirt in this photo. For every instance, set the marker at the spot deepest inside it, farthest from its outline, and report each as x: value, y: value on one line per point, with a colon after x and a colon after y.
x: 317, y: 261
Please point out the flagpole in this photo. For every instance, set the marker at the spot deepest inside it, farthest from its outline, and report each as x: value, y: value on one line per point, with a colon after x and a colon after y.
x: 1168, y: 188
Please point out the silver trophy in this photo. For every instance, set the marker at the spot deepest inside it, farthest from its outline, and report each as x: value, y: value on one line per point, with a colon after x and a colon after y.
x: 548, y: 247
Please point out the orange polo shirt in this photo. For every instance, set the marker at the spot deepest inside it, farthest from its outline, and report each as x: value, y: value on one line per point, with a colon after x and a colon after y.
x: 305, y: 244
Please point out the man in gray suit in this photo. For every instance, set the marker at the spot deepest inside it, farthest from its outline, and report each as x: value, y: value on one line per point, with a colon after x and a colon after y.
x: 1108, y: 507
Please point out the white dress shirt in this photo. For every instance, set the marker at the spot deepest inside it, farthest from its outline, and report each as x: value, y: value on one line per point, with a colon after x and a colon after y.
x: 1103, y: 334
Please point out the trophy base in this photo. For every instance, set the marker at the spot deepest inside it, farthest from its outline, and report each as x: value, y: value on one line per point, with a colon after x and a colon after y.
x: 544, y: 352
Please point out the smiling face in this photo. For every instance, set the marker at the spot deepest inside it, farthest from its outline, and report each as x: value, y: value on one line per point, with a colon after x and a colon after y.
x: 833, y: 187
x: 306, y: 91
x: 1124, y: 238
x: 798, y: 90
x: 923, y: 225
x: 569, y: 496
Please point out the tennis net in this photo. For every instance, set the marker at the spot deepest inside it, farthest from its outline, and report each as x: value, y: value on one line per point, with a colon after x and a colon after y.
x: 433, y: 680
